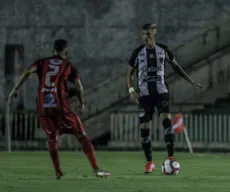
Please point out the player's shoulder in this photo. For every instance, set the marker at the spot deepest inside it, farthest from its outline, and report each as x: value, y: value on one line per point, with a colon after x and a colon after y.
x: 139, y: 48
x: 163, y: 46
x: 68, y: 62
x: 43, y: 59
x: 39, y: 60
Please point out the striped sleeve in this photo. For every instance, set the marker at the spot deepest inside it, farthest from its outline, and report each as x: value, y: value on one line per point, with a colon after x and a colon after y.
x: 170, y: 55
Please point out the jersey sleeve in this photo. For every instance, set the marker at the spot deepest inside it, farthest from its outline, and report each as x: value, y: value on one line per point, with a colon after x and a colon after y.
x: 133, y: 59
x: 169, y: 55
x: 37, y: 64
x: 73, y: 75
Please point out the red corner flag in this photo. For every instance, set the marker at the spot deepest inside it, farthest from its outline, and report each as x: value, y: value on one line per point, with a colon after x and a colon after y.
x: 178, y: 124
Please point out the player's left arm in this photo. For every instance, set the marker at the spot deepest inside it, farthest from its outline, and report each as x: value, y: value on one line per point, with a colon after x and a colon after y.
x: 180, y: 71
x: 78, y: 91
x: 25, y: 75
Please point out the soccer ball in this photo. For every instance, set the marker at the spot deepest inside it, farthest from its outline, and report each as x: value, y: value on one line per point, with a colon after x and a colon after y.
x: 170, y: 167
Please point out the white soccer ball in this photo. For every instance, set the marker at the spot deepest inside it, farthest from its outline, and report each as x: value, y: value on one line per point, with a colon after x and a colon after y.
x: 170, y: 167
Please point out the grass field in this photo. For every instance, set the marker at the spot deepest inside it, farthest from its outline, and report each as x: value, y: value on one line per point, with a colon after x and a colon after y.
x: 32, y: 172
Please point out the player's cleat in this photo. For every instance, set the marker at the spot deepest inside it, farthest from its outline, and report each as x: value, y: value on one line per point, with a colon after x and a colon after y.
x: 59, y: 175
x: 172, y: 158
x: 149, y: 167
x: 101, y: 173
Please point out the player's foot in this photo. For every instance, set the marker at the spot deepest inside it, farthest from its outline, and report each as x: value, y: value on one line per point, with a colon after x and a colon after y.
x: 172, y: 158
x: 59, y: 175
x: 101, y: 173
x: 149, y: 167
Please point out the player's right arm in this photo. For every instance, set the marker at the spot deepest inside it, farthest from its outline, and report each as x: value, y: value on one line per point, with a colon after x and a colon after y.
x: 129, y: 77
x: 25, y: 75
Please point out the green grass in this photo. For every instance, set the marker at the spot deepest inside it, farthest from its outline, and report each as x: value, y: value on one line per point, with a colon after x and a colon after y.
x: 32, y: 172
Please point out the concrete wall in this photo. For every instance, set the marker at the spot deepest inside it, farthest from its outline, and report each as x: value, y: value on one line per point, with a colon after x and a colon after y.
x: 102, y: 33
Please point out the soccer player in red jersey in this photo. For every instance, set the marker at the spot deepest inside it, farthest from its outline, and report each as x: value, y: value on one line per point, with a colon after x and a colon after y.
x: 53, y: 105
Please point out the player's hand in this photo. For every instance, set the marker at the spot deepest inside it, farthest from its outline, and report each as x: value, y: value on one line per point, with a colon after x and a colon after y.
x: 81, y: 108
x: 134, y: 97
x: 198, y: 86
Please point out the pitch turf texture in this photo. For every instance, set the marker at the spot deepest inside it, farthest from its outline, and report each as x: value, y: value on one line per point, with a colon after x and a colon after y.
x: 32, y: 172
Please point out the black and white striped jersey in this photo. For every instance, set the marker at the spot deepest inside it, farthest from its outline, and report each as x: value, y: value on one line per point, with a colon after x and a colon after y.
x: 150, y: 68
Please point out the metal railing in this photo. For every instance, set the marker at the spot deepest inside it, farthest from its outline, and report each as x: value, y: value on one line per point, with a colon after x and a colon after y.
x: 26, y: 133
x: 207, y: 131
x: 23, y: 125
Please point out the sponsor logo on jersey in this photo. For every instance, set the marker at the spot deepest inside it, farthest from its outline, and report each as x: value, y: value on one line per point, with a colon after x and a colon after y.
x: 151, y: 69
x: 49, y: 101
x: 152, y: 79
x: 55, y: 61
x: 49, y: 90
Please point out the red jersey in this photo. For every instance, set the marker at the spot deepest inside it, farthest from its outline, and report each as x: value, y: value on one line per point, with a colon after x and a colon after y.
x: 54, y: 73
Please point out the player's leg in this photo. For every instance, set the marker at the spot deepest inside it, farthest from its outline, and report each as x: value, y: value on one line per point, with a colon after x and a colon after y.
x: 145, y: 116
x: 49, y: 127
x: 168, y: 134
x: 87, y: 147
x: 163, y: 107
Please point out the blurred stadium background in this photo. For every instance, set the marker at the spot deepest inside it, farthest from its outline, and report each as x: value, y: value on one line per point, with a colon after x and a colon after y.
x: 102, y: 35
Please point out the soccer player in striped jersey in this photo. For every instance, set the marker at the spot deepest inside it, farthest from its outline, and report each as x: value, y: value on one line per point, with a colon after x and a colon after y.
x: 148, y: 62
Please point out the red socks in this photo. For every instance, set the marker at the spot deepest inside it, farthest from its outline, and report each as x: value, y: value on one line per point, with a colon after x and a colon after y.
x: 87, y: 147
x: 53, y: 150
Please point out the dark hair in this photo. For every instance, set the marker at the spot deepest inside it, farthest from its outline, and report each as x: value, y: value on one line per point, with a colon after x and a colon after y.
x: 149, y: 26
x: 59, y: 45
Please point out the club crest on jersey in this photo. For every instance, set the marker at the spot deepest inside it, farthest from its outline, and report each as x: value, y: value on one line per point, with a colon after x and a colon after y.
x: 161, y: 59
x: 49, y: 101
x: 151, y: 56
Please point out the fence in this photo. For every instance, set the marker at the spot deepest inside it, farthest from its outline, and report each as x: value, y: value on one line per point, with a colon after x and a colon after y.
x: 27, y: 134
x: 206, y: 131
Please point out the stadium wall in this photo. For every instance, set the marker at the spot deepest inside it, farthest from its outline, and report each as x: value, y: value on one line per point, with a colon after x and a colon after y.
x: 102, y: 34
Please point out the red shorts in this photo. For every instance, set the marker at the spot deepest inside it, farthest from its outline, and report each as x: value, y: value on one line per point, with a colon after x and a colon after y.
x: 66, y: 124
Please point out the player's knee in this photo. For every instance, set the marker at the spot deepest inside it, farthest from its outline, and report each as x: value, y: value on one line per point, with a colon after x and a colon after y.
x: 145, y: 120
x: 79, y: 136
x: 144, y: 125
x: 145, y: 138
x: 52, y: 137
x: 165, y: 115
x: 167, y: 124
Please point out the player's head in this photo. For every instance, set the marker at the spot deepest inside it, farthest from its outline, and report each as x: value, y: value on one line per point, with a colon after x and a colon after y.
x: 60, y: 47
x: 149, y: 34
